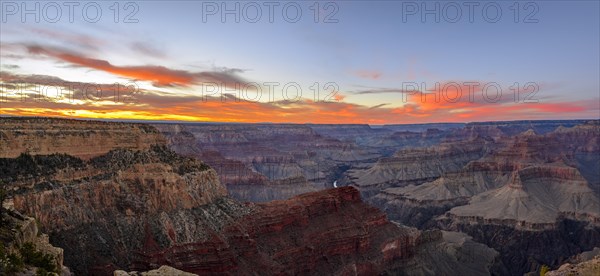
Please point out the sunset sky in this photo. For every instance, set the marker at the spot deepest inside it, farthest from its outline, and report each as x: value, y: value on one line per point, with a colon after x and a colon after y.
x: 361, y: 62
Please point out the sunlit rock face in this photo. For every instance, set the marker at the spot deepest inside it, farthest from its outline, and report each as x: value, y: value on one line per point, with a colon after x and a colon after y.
x: 79, y: 138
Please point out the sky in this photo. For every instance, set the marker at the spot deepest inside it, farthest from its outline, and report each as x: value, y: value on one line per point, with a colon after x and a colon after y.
x: 368, y: 62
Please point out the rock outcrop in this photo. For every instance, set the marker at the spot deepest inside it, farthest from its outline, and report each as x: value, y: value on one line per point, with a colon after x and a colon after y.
x: 79, y: 138
x: 18, y: 232
x: 161, y: 271
x: 587, y: 268
x: 111, y: 201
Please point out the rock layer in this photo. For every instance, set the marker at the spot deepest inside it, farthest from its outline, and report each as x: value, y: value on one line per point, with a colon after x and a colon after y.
x: 325, y: 232
x: 525, y: 196
x: 79, y: 138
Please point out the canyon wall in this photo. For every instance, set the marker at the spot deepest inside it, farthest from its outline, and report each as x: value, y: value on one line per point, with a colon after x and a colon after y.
x: 263, y: 162
x: 525, y: 196
x: 80, y: 138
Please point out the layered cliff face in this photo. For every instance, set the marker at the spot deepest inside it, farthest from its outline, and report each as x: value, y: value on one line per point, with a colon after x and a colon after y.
x: 106, y: 206
x: 512, y: 128
x: 540, y: 180
x: 83, y: 139
x: 141, y: 184
x: 325, y: 232
x: 330, y: 232
x: 266, y: 162
x: 527, y: 190
x: 415, y: 166
x: 512, y: 167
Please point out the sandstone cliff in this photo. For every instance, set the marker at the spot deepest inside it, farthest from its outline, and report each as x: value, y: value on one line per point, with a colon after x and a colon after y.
x: 21, y: 241
x: 83, y: 139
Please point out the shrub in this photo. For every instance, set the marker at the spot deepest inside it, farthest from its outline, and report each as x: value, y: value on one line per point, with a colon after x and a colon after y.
x: 43, y: 272
x: 38, y: 259
x: 9, y: 263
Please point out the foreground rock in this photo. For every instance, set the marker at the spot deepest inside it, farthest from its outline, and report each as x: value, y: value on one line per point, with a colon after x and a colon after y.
x: 24, y: 249
x: 325, y: 232
x: 587, y: 268
x: 161, y: 271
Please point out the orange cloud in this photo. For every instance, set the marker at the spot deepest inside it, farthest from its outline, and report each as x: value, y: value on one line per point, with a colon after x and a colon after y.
x: 338, y: 97
x: 154, y: 105
x: 160, y: 76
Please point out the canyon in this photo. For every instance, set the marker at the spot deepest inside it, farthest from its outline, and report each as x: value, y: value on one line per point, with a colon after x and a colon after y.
x: 510, y: 185
x: 139, y: 205
x: 533, y: 197
x: 501, y: 198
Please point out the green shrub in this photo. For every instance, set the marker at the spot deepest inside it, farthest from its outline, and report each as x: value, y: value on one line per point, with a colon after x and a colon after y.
x: 544, y: 269
x: 36, y: 258
x: 43, y: 272
x: 9, y: 263
x: 15, y: 264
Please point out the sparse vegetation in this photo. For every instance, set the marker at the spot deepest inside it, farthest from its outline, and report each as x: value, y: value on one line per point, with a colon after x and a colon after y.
x: 9, y: 263
x: 43, y: 272
x: 544, y: 270
x: 13, y: 263
x: 121, y: 159
x: 27, y: 166
x: 33, y: 257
